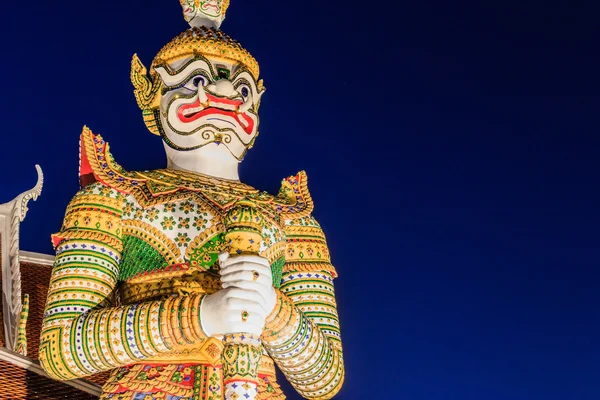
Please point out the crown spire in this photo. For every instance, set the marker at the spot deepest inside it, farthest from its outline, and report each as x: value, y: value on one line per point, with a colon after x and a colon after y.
x: 209, y: 13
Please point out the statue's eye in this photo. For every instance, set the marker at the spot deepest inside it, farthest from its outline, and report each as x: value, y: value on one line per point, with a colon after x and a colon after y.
x: 199, y: 81
x: 245, y: 92
x: 195, y: 82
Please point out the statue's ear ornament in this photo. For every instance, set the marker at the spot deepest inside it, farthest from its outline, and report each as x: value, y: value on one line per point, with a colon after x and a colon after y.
x: 147, y: 93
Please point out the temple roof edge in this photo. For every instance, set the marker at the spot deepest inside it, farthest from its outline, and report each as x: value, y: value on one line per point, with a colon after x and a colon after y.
x: 11, y: 216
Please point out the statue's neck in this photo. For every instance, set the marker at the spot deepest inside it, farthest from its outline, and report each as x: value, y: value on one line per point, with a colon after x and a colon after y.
x: 214, y: 161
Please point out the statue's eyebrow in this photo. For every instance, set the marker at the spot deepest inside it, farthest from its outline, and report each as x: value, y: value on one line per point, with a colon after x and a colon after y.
x: 238, y: 70
x: 172, y: 77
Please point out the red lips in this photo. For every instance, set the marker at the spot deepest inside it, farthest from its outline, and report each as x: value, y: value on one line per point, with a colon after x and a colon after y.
x: 187, y: 117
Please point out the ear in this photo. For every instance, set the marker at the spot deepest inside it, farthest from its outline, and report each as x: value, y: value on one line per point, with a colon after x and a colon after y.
x: 261, y: 87
x: 147, y: 93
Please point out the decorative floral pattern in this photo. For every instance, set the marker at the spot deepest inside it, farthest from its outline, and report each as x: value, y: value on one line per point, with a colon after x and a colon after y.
x: 168, y: 223
x: 182, y: 239
x: 184, y: 223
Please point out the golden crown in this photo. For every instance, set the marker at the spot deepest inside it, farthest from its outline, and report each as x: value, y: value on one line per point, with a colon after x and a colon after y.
x: 209, y: 42
x: 204, y: 37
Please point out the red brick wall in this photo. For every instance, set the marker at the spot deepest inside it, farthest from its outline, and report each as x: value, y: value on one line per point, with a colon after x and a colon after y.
x: 19, y: 384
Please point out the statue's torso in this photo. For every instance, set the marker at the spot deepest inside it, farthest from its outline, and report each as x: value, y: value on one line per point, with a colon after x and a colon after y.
x: 172, y: 229
x: 171, y: 248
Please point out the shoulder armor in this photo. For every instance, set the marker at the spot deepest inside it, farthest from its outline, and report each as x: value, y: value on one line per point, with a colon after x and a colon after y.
x: 95, y: 212
x: 153, y: 187
x: 306, y: 247
x: 161, y: 186
x: 96, y: 164
x: 294, y: 200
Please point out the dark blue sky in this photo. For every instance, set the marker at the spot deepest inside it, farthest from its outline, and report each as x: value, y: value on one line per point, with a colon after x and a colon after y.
x: 452, y: 152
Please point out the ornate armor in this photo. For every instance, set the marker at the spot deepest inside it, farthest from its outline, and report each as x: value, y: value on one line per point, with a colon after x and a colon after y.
x: 136, y: 255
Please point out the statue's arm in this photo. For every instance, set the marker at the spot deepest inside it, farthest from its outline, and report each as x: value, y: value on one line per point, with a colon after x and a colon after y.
x: 302, y: 334
x: 81, y: 333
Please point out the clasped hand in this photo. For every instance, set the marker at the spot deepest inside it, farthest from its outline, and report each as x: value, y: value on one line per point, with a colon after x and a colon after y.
x: 245, y: 301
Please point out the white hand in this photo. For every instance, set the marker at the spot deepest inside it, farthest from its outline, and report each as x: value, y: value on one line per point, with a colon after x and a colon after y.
x: 252, y: 273
x: 221, y: 312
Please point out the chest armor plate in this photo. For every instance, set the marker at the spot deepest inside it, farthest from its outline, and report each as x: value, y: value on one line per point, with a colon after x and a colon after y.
x: 174, y: 247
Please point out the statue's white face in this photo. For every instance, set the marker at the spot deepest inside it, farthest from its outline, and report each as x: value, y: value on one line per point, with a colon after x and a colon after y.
x: 209, y: 101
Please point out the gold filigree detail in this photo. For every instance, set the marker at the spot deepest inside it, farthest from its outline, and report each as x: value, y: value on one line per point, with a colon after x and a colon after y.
x: 225, y: 6
x: 274, y: 252
x: 146, y: 90
x: 310, y: 267
x: 151, y: 188
x: 147, y: 93
x: 104, y: 238
x: 208, y: 42
x: 153, y: 237
x: 162, y: 284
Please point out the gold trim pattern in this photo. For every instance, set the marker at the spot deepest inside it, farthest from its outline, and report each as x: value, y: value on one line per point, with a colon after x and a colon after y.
x: 158, y: 286
x: 208, y: 42
x: 311, y: 267
x: 153, y: 236
x: 151, y: 188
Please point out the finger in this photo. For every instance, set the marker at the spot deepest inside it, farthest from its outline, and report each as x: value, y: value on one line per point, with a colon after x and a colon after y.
x: 235, y: 293
x: 258, y: 287
x: 247, y: 285
x: 245, y: 258
x: 251, y: 275
x: 253, y: 286
x: 246, y: 266
x: 248, y: 276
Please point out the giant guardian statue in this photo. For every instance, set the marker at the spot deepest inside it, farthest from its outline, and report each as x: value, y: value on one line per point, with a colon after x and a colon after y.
x: 185, y: 282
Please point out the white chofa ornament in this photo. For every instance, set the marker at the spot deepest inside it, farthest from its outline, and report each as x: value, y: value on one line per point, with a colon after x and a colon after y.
x: 210, y: 13
x: 218, y: 283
